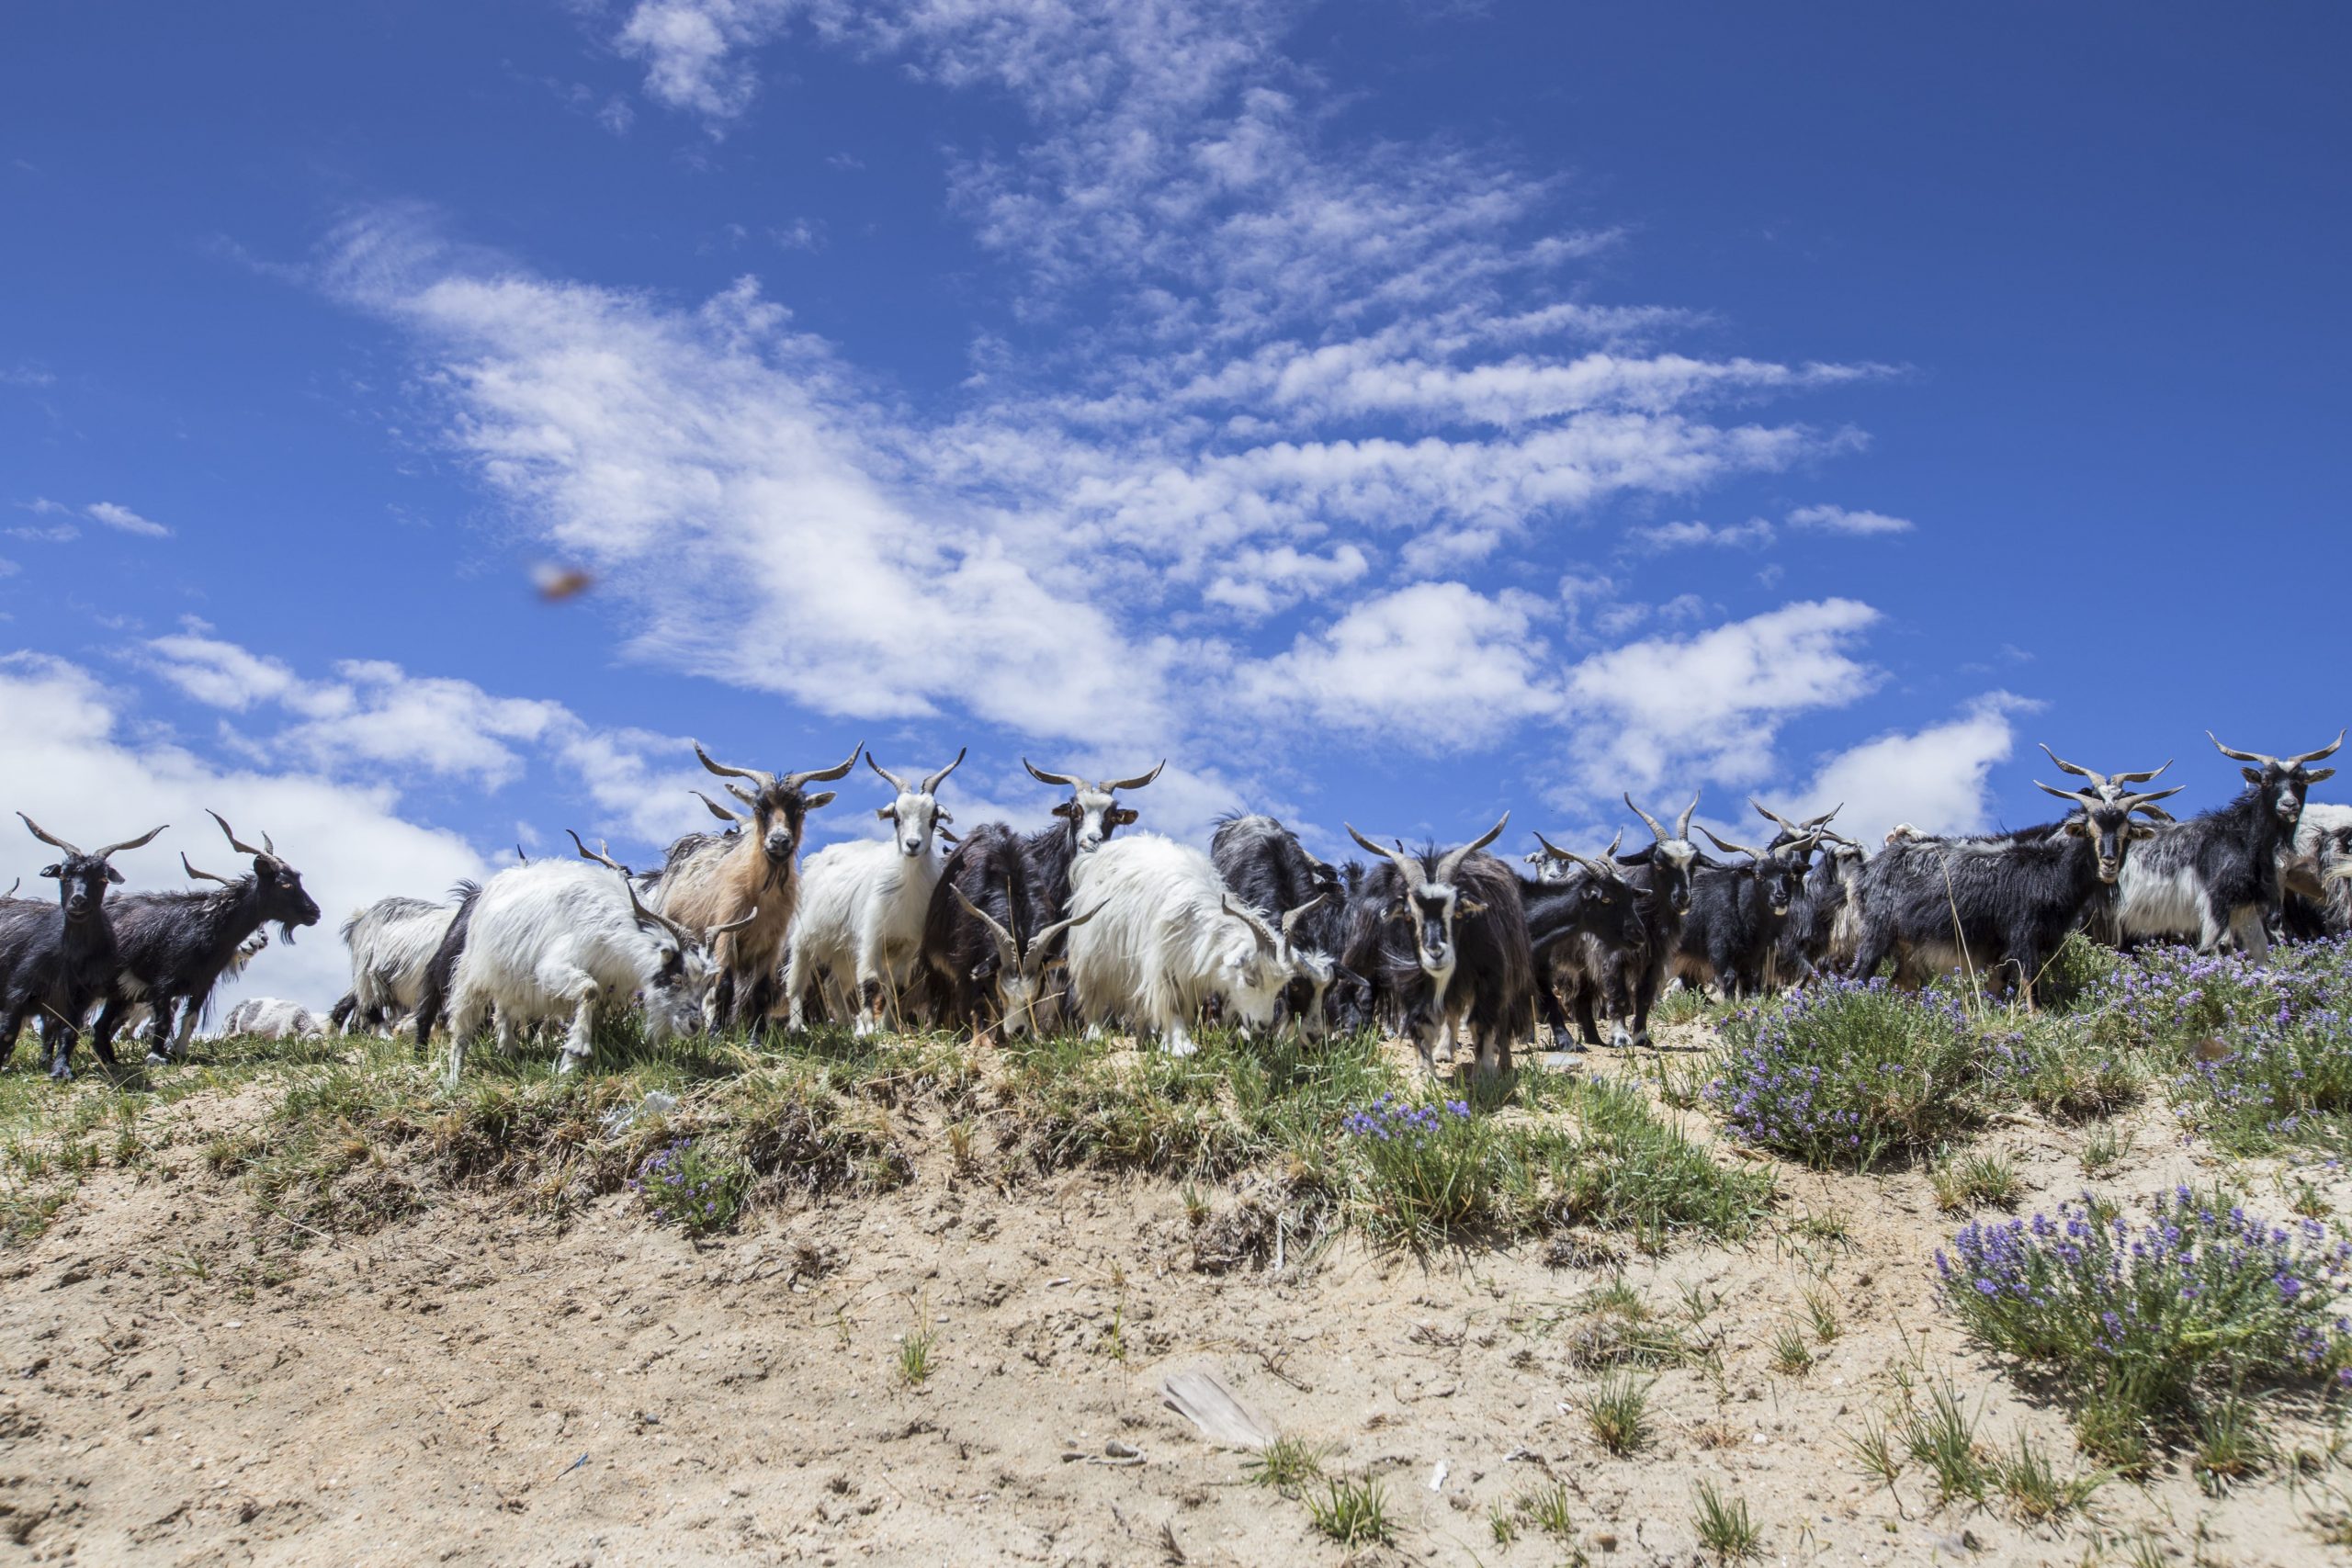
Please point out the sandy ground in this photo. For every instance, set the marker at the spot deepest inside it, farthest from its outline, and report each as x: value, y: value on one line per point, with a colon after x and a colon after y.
x: 478, y: 1386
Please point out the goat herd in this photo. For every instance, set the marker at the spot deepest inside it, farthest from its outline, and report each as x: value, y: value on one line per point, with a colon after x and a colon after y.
x: 1018, y: 932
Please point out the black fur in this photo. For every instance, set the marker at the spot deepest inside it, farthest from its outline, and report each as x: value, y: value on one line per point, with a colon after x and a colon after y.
x: 1270, y: 870
x: 959, y: 956
x: 1572, y: 925
x: 433, y: 992
x: 55, y: 960
x: 173, y: 946
x: 1492, y: 987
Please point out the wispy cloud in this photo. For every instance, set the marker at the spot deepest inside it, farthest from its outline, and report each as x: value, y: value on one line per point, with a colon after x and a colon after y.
x: 1753, y: 533
x: 125, y: 520
x: 1839, y: 520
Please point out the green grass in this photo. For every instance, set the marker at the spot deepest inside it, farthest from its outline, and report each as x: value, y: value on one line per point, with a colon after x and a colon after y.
x: 1353, y: 1512
x: 1724, y: 1526
x: 1286, y: 1464
x: 1552, y: 1508
x: 1963, y: 1182
x: 1618, y: 1413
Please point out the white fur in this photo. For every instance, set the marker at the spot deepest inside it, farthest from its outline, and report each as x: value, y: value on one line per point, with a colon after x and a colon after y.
x: 390, y: 950
x: 557, y: 937
x: 1159, y: 942
x: 860, y: 924
x: 268, y: 1018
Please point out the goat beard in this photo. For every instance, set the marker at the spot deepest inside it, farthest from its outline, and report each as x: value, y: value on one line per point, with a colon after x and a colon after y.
x: 285, y: 932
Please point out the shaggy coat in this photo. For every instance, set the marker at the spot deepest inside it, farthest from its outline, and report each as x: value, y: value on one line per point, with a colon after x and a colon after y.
x: 966, y: 978
x: 1451, y: 955
x: 1271, y: 871
x: 391, y: 942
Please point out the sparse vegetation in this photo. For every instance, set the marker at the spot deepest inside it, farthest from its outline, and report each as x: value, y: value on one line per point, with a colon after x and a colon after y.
x: 1353, y: 1512
x: 1286, y: 1464
x: 1724, y: 1526
x: 1619, y: 1412
x: 1963, y: 1182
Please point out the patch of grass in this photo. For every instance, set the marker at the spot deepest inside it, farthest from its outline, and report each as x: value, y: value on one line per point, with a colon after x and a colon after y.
x: 1502, y: 1523
x: 1353, y: 1512
x: 1942, y: 1438
x: 1874, y: 1450
x: 1963, y: 1182
x: 2104, y: 1149
x: 2036, y: 1493
x: 1681, y: 1004
x: 916, y: 1347
x: 2231, y: 1443
x: 1821, y: 1310
x: 1286, y: 1464
x: 1618, y: 1412
x: 1552, y: 1509
x: 1792, y: 1357
x: 1723, y: 1525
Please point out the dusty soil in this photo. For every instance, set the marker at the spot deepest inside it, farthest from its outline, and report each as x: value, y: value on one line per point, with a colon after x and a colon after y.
x: 190, y: 1381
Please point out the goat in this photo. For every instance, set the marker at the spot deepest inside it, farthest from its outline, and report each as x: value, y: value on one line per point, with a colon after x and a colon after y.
x: 2322, y: 842
x: 1824, y: 924
x: 1089, y: 817
x: 173, y: 947
x: 1469, y: 964
x: 2217, y: 875
x: 1154, y: 936
x: 59, y: 962
x: 1736, y: 916
x: 862, y: 909
x: 1997, y: 902
x: 553, y: 937
x: 1271, y: 871
x: 1580, y: 911
x: 986, y: 948
x: 1661, y: 876
x: 267, y: 1018
x: 140, y: 1015
x: 708, y: 881
x: 391, y: 942
x: 441, y: 971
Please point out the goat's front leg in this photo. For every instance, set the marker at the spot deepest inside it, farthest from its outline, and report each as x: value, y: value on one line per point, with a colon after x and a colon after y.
x: 580, y: 989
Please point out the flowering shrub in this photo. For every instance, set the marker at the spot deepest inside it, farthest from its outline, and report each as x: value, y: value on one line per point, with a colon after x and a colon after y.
x: 686, y: 1185
x: 1424, y: 1168
x: 1843, y: 1072
x: 2141, y: 1314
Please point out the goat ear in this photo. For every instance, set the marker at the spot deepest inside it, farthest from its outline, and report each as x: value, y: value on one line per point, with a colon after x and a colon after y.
x: 1470, y: 908
x: 114, y: 877
x: 2316, y: 775
x: 1067, y: 808
x: 822, y: 798
x: 56, y: 870
x: 2253, y: 777
x: 2078, y: 826
x: 887, y: 813
x: 1123, y: 817
x: 2140, y: 830
x: 985, y: 967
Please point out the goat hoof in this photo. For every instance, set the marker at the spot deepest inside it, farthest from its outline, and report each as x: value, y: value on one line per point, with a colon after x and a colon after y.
x: 154, y: 1060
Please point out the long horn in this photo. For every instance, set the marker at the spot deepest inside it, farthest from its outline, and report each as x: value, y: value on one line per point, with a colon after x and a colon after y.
x: 930, y: 785
x: 2099, y: 780
x: 2240, y: 756
x: 1266, y: 939
x: 242, y: 848
x: 1008, y: 951
x: 46, y: 837
x: 1774, y: 817
x: 134, y: 843
x: 1116, y: 786
x: 1828, y: 836
x: 745, y: 795
x: 2082, y: 798
x: 893, y: 779
x: 826, y: 775
x: 601, y: 854
x: 1825, y: 818
x: 1066, y: 781
x: 2140, y: 801
x: 1408, y: 866
x: 1045, y: 937
x: 724, y: 772
x: 1452, y: 862
x: 716, y: 809
x: 2326, y: 750
x: 1682, y: 828
x: 1729, y: 847
x: 1656, y: 829
x: 12, y: 888
x: 1292, y: 917
x: 1556, y: 852
x: 718, y: 931
x: 195, y: 875
x: 646, y: 916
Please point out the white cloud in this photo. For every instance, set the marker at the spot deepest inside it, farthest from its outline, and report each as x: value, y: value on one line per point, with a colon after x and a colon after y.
x: 123, y: 518
x: 1659, y: 537
x: 1936, y: 779
x: 72, y: 766
x: 1839, y: 520
x: 62, y: 533
x: 691, y: 51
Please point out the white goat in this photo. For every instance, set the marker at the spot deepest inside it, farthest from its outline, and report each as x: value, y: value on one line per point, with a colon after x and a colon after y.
x: 555, y: 937
x: 267, y: 1018
x: 393, y: 942
x: 859, y: 929
x: 1162, y: 936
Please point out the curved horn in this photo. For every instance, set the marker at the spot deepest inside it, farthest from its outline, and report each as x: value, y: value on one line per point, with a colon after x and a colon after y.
x: 716, y: 809
x: 2326, y: 750
x: 1682, y: 826
x: 826, y: 775
x: 1657, y: 831
x: 724, y: 772
x: 134, y: 843
x: 2238, y: 755
x: 745, y: 795
x: 1453, y: 858
x: 2099, y: 780
x: 1729, y: 847
x: 718, y: 931
x: 646, y: 916
x: 1008, y: 951
x: 1407, y: 865
x: 196, y: 875
x: 1117, y: 786
x: 893, y: 779
x: 1556, y: 852
x: 1292, y: 917
x: 1825, y: 818
x: 2082, y: 798
x: 1266, y: 939
x: 1774, y: 817
x: 46, y: 837
x: 12, y: 888
x: 231, y: 834
x: 601, y: 854
x: 1611, y: 851
x: 1046, y: 937
x: 931, y: 783
x: 1066, y: 781
x: 2140, y: 801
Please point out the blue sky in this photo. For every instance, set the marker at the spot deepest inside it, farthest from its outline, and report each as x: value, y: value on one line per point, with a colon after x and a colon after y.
x: 1391, y: 413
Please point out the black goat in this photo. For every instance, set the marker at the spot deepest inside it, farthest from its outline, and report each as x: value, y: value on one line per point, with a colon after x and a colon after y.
x: 1823, y: 925
x: 1576, y: 918
x: 1659, y: 873
x: 986, y: 946
x: 1088, y: 816
x: 2216, y: 875
x: 1466, y: 963
x: 172, y: 947
x: 57, y: 961
x: 1737, y: 915
x: 2000, y: 902
x: 1270, y: 870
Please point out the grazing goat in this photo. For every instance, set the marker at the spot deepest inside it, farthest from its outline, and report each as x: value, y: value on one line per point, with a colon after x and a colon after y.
x: 2217, y: 875
x: 862, y: 910
x: 988, y: 951
x: 1468, y: 964
x: 1737, y: 911
x: 709, y: 881
x: 267, y: 1018
x: 1154, y: 936
x: 441, y: 970
x: 393, y: 942
x: 1661, y: 876
x: 557, y: 937
x: 173, y: 947
x: 57, y: 961
x: 1271, y: 871
x: 1581, y: 911
x: 2002, y: 901
x: 1088, y: 817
